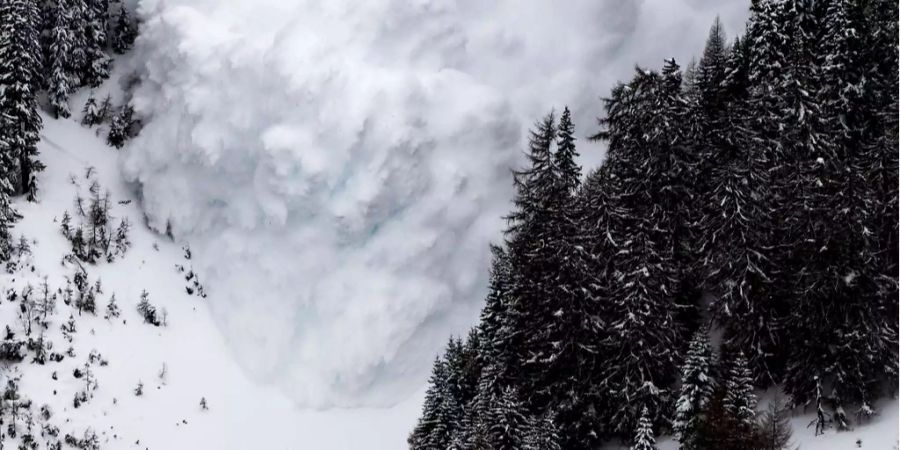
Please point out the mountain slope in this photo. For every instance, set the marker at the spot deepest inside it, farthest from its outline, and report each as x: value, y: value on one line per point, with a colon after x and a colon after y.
x: 198, y: 363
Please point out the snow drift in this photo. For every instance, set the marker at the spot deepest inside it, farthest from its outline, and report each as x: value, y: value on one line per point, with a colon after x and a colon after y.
x: 340, y: 167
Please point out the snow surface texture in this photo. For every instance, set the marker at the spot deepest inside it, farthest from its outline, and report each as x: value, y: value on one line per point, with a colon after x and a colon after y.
x: 339, y: 167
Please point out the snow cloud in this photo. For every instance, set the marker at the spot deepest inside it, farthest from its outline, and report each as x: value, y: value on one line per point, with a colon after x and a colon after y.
x: 340, y: 167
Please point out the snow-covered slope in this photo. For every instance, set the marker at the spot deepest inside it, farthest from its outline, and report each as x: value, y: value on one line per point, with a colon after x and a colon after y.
x: 198, y: 361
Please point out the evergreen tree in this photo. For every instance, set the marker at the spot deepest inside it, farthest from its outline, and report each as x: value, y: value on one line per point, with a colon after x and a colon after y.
x: 438, y: 423
x: 499, y: 343
x: 147, y: 310
x: 125, y: 31
x: 647, y: 188
x: 20, y: 123
x: 78, y: 58
x: 564, y: 158
x: 508, y: 424
x: 61, y: 51
x: 552, y: 325
x: 740, y: 402
x: 533, y: 261
x: 97, y: 62
x: 543, y: 434
x: 710, y: 77
x: 473, y: 433
x: 643, y: 438
x: 8, y: 217
x: 696, y: 392
x: 117, y: 134
x: 91, y: 113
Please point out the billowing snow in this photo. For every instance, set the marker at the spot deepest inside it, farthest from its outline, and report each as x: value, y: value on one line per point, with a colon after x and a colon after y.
x: 339, y: 167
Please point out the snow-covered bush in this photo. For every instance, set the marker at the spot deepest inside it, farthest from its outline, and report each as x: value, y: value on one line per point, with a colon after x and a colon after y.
x: 147, y: 310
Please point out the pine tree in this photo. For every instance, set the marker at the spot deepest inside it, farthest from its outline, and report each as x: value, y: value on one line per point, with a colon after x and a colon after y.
x: 8, y: 216
x: 473, y: 433
x: 648, y: 171
x: 552, y: 326
x: 696, y: 393
x: 758, y: 176
x: 710, y: 78
x: 61, y: 54
x: 91, y: 114
x: 112, y: 308
x: 76, y: 9
x: 533, y: 261
x: 97, y: 62
x: 105, y: 108
x: 116, y: 136
x: 20, y: 124
x: 459, y: 389
x: 643, y: 438
x: 438, y: 423
x: 498, y: 343
x: 125, y: 31
x: 740, y: 402
x: 565, y: 157
x: 147, y: 310
x: 543, y: 434
x: 508, y: 424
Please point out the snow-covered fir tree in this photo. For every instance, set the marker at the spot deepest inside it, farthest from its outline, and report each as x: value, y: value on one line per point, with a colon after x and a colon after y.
x: 20, y: 124
x: 544, y: 434
x: 62, y: 41
x: 696, y: 392
x: 97, y: 62
x: 645, y: 234
x: 438, y: 423
x: 124, y: 29
x: 740, y: 401
x: 508, y: 426
x: 120, y: 127
x: 91, y: 113
x: 566, y: 155
x: 643, y: 436
x: 8, y: 216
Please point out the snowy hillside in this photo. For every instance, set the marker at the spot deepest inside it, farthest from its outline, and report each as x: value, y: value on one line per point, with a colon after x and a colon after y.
x: 198, y: 362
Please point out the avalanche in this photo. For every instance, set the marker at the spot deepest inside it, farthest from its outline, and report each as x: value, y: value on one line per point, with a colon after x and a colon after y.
x: 340, y: 168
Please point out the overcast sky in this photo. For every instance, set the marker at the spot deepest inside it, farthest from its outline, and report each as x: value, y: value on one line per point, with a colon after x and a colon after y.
x: 339, y: 167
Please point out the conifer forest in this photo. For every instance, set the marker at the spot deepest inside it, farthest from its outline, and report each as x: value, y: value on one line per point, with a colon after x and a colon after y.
x: 741, y: 234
